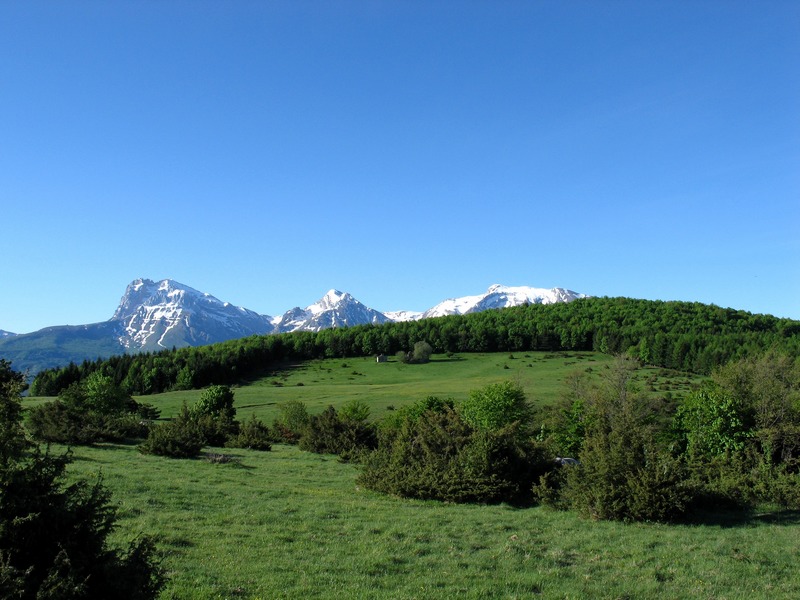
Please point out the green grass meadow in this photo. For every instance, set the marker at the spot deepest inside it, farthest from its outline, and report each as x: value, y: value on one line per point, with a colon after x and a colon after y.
x: 390, y: 385
x: 290, y: 524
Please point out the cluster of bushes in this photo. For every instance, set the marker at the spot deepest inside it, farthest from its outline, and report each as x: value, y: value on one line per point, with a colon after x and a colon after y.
x: 54, y: 535
x: 211, y: 421
x: 735, y: 442
x: 97, y: 410
x: 346, y: 432
x: 419, y: 355
x: 94, y: 410
x: 478, y: 451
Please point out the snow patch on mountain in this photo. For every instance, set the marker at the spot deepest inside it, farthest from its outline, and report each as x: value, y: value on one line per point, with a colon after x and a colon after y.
x: 334, y: 309
x: 501, y: 296
x: 399, y: 316
x: 163, y: 314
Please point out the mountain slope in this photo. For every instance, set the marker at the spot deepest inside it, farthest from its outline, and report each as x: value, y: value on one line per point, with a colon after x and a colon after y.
x: 151, y: 316
x: 158, y: 315
x: 58, y: 346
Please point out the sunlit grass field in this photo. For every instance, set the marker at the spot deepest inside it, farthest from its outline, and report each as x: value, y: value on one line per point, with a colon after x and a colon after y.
x: 390, y: 385
x: 290, y: 524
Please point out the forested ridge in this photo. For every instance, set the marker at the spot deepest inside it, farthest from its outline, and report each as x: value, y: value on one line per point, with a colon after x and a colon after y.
x: 679, y: 335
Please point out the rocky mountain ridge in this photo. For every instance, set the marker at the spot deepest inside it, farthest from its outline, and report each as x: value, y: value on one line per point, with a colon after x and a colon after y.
x: 157, y: 315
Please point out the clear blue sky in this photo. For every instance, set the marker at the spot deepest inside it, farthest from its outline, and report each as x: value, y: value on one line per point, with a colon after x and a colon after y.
x: 405, y: 152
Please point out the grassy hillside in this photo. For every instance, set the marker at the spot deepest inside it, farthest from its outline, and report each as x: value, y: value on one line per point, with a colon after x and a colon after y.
x: 289, y: 524
x: 320, y: 383
x: 675, y: 335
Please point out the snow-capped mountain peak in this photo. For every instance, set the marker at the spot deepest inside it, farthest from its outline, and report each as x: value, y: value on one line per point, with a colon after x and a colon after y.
x: 500, y: 296
x: 334, y: 309
x: 166, y: 313
x: 330, y: 301
x: 155, y: 315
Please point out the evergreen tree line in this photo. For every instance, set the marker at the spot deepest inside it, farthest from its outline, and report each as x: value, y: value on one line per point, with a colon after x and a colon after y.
x: 686, y: 336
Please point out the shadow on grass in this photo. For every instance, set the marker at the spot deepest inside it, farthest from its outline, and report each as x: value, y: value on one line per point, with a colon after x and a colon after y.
x: 256, y: 405
x: 729, y: 518
x: 224, y: 458
x: 126, y: 443
x: 278, y: 370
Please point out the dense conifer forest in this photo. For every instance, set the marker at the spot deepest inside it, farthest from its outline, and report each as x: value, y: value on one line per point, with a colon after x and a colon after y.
x: 686, y: 336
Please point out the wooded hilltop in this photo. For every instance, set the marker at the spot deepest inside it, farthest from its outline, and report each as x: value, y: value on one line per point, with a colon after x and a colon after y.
x: 687, y: 336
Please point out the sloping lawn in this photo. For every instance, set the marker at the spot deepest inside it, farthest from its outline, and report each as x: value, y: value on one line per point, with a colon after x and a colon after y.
x: 289, y: 524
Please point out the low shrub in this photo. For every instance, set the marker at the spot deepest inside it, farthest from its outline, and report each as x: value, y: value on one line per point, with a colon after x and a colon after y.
x: 90, y: 412
x: 53, y: 538
x: 54, y: 531
x: 626, y: 471
x: 547, y: 490
x: 292, y: 423
x: 179, y: 438
x: 215, y: 401
x: 216, y: 430
x: 253, y: 434
x: 496, y: 406
x: 147, y: 412
x: 624, y: 475
x: 438, y: 456
x: 57, y: 422
x: 346, y: 434
x: 745, y: 479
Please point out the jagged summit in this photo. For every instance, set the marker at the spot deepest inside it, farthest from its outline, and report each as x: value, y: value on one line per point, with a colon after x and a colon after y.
x: 330, y: 301
x: 146, y: 292
x: 334, y: 309
x: 156, y: 315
